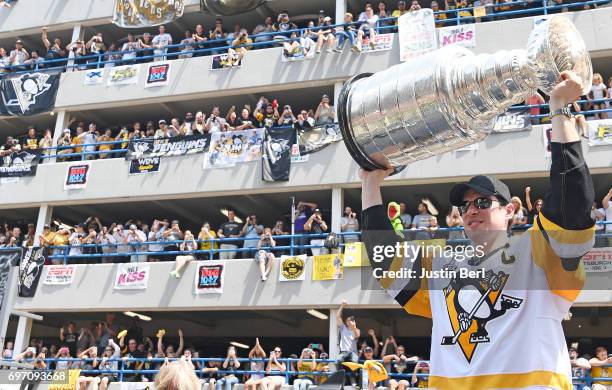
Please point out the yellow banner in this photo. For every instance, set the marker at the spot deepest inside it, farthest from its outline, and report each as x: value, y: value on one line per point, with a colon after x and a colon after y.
x: 73, y: 376
x: 327, y: 267
x: 480, y: 12
x: 146, y: 13
x: 355, y: 255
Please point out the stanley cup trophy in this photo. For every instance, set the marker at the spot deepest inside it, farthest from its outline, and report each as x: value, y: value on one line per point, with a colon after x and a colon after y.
x: 450, y: 98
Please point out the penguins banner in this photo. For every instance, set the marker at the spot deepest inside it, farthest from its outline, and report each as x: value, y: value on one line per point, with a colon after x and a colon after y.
x: 28, y: 93
x: 146, y: 13
x: 20, y: 164
x: 30, y: 270
x: 319, y: 137
x: 277, y: 154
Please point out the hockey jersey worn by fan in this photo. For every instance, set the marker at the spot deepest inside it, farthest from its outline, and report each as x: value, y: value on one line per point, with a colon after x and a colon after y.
x: 497, y: 318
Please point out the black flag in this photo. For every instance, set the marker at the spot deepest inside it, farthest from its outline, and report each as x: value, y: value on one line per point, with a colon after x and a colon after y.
x: 28, y: 93
x: 8, y: 257
x: 29, y: 271
x: 277, y: 154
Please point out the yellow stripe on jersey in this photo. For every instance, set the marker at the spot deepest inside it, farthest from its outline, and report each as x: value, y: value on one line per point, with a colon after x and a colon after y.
x: 418, y: 304
x: 562, y: 243
x: 543, y: 378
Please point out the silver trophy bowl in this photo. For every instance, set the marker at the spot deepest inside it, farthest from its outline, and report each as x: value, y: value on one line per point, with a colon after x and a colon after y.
x: 449, y: 98
x: 230, y: 7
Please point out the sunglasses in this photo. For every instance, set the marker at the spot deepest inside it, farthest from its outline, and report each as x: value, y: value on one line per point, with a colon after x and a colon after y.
x: 480, y: 204
x: 277, y: 351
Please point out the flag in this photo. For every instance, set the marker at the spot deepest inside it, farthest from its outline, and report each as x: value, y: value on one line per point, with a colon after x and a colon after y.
x: 277, y: 154
x: 138, y: 14
x: 28, y: 93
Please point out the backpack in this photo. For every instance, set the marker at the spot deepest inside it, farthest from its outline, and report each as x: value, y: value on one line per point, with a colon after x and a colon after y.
x: 332, y: 241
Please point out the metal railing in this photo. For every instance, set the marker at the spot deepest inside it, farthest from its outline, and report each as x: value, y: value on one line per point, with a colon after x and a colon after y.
x: 296, y: 244
x: 217, y: 46
x: 121, y: 370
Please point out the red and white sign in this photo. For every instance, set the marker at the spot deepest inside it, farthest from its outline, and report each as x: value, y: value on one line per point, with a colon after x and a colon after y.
x: 59, y: 274
x: 463, y: 35
x: 132, y: 276
x: 598, y: 260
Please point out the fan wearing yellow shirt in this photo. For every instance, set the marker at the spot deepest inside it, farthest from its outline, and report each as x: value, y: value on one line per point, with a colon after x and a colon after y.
x: 77, y: 139
x: 206, y: 233
x: 599, y: 369
x: 106, y: 137
x: 60, y: 238
x: 439, y: 16
x: 401, y: 9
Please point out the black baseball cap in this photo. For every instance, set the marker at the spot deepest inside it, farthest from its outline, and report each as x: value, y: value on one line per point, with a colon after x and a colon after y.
x: 485, y: 185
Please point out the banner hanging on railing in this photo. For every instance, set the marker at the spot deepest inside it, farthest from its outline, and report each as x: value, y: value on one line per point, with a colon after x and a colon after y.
x: 305, y: 51
x: 146, y: 13
x: 417, y: 34
x: 132, y: 276
x: 327, y: 267
x: 28, y: 93
x: 123, y: 75
x: 463, y: 35
x: 600, y: 132
x: 20, y: 164
x: 30, y: 269
x: 8, y: 258
x: 145, y: 165
x: 234, y: 147
x: 276, y: 164
x: 225, y: 61
x: 382, y: 42
x: 318, y: 138
x: 292, y: 268
x: 209, y: 277
x: 512, y: 121
x: 168, y: 147
x: 59, y: 275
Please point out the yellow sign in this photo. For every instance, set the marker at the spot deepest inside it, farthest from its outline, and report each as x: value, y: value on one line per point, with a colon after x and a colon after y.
x: 480, y: 12
x: 73, y: 376
x: 327, y: 267
x: 355, y: 255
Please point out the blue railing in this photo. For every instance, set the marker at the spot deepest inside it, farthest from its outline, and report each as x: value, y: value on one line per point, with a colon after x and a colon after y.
x: 121, y: 371
x: 295, y: 245
x: 199, y: 48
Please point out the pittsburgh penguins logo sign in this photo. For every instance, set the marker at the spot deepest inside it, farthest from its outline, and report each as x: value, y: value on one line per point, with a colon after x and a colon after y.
x: 471, y: 304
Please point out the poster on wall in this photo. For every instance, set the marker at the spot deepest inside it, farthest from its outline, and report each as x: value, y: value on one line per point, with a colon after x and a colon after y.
x: 305, y: 51
x: 59, y: 275
x: 20, y: 163
x: 209, y: 277
x: 138, y: 13
x: 225, y: 61
x: 292, y: 268
x: 382, y: 42
x: 123, y: 75
x: 93, y: 77
x: 600, y: 132
x: 229, y: 148
x: 145, y: 165
x: 132, y: 276
x: 158, y: 74
x: 77, y: 176
x: 327, y: 267
x: 463, y: 35
x: 417, y: 34
x: 167, y: 147
x: 598, y: 260
x: 355, y: 255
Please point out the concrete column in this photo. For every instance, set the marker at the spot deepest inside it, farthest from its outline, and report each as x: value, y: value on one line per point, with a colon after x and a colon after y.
x: 22, y: 337
x: 333, y: 349
x: 61, y: 122
x: 337, y: 89
x: 44, y: 218
x: 340, y: 11
x: 77, y: 33
x: 336, y: 211
x: 7, y: 302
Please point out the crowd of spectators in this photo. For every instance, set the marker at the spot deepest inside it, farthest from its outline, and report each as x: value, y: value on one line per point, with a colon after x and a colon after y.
x: 266, y: 114
x: 374, y: 18
x: 164, y: 239
x: 102, y: 348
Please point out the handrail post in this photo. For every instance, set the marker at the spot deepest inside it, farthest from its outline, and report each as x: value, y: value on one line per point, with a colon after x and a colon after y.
x: 545, y: 5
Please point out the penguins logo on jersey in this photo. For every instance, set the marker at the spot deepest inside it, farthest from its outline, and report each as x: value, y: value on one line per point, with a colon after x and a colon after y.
x: 471, y: 304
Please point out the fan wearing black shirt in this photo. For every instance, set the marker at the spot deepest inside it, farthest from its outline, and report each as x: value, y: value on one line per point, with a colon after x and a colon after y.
x: 229, y: 229
x: 69, y: 337
x: 132, y: 352
x: 398, y: 364
x: 30, y: 142
x: 245, y: 121
x: 316, y: 225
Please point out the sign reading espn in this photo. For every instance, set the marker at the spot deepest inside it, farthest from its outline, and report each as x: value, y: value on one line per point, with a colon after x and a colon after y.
x: 209, y: 277
x: 598, y: 260
x: 133, y: 276
x: 59, y: 275
x: 77, y: 176
x: 158, y: 74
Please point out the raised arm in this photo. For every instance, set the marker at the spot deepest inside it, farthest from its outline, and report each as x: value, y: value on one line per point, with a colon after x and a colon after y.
x: 45, y: 39
x: 339, y: 313
x: 179, y: 351
x: 160, y: 345
x: 605, y: 202
x: 528, y: 199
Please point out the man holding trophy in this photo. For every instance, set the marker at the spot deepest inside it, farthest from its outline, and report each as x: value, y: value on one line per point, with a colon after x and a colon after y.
x: 498, y: 324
